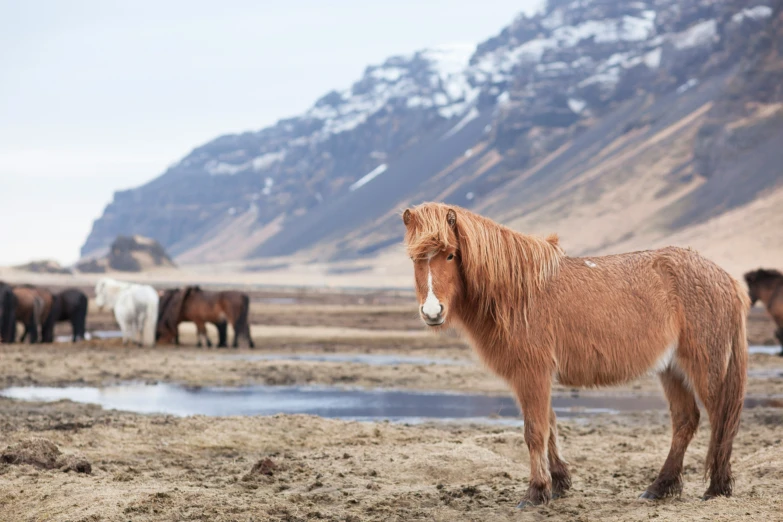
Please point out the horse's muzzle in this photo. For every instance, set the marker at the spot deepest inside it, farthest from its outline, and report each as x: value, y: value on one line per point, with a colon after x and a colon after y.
x: 433, y: 320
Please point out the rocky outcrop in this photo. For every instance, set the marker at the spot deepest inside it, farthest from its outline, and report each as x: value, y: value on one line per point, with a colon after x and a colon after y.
x: 129, y: 254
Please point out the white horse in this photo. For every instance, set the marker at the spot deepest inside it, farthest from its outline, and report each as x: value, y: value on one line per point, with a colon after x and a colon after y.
x: 135, y: 308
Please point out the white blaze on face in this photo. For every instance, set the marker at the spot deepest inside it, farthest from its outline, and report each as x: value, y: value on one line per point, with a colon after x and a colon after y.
x: 431, y: 306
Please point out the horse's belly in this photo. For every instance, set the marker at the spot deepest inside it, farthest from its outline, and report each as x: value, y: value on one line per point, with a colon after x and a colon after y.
x: 614, y: 365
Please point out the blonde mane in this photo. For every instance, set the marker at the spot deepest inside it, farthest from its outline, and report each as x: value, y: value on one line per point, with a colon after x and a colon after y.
x: 503, y: 269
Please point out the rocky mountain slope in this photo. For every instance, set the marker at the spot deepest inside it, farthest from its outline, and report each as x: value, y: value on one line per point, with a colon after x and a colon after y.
x: 617, y: 124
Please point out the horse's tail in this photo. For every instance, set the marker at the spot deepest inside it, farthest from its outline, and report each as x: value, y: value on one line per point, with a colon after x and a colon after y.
x: 725, y: 418
x: 151, y: 323
x: 242, y: 327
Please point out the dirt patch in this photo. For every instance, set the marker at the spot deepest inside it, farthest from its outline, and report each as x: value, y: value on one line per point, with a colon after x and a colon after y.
x: 262, y: 468
x: 43, y: 454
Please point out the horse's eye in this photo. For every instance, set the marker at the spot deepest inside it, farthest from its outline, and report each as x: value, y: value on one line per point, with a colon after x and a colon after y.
x: 449, y: 257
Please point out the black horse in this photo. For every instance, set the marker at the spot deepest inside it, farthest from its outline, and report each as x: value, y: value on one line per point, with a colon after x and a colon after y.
x: 68, y: 305
x: 7, y: 313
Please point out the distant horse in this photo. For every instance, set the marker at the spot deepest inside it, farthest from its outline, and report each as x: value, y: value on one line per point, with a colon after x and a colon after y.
x: 201, y: 307
x: 135, y: 308
x: 535, y: 314
x: 767, y: 286
x: 68, y: 305
x: 8, y: 303
x: 32, y: 309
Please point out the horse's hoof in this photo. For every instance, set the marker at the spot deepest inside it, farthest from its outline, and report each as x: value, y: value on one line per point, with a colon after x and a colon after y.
x: 648, y: 496
x: 531, y: 503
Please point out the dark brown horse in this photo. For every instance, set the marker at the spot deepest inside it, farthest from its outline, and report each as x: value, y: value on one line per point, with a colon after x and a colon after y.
x: 767, y: 286
x: 8, y: 304
x: 68, y: 305
x: 32, y: 309
x: 202, y: 306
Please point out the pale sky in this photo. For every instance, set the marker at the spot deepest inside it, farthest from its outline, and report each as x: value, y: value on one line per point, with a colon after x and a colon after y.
x: 101, y: 95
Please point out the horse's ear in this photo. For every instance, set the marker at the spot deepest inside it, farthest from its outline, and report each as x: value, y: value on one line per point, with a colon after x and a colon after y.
x: 407, y: 216
x: 451, y: 217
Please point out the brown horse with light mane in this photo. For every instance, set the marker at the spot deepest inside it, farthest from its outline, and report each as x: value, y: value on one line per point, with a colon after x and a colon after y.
x: 535, y: 315
x: 767, y: 286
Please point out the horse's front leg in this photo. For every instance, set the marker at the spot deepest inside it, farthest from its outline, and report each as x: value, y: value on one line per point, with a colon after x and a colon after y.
x: 533, y: 392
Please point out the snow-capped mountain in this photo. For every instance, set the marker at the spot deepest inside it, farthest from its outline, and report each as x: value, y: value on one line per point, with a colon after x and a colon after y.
x: 418, y: 126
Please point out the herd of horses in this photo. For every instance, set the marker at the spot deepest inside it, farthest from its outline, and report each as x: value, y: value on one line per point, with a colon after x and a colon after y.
x: 146, y: 316
x: 535, y: 316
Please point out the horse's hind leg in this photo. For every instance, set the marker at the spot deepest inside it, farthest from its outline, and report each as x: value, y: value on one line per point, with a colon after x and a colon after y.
x: 533, y: 393
x: 561, y: 477
x: 685, y: 421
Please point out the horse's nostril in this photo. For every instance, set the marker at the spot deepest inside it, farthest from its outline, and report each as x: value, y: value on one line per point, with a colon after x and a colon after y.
x: 441, y: 309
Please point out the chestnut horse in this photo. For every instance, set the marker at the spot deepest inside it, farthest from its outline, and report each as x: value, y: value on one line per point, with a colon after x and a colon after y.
x: 535, y: 315
x: 202, y: 306
x: 32, y: 309
x: 767, y: 286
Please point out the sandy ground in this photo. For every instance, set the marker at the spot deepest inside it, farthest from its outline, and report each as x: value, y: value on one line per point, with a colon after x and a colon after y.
x: 153, y: 467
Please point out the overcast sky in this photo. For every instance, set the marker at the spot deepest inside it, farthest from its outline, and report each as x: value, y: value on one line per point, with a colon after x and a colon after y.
x: 103, y: 95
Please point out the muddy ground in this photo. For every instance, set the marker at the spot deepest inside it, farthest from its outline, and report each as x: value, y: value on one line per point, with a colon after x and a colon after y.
x: 298, y: 467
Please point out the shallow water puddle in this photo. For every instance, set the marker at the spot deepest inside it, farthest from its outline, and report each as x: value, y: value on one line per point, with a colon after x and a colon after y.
x: 767, y: 350
x: 356, y: 404
x: 406, y: 406
x: 356, y: 358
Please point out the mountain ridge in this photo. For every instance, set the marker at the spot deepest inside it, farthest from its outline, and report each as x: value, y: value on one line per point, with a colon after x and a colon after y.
x: 508, y: 129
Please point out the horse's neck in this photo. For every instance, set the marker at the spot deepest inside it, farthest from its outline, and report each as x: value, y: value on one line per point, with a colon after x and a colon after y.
x: 770, y: 293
